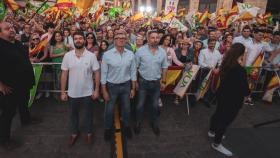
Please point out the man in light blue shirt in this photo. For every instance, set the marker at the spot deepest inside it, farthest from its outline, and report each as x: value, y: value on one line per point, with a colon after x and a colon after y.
x: 118, y: 80
x: 152, y: 65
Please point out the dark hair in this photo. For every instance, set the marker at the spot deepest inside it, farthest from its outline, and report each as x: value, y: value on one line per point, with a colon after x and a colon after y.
x: 163, y: 38
x: 49, y: 25
x: 94, y: 39
x: 100, y: 50
x: 230, y: 59
x: 66, y: 29
x: 152, y: 31
x: 276, y: 33
x: 53, y: 41
x: 226, y: 36
x: 211, y: 40
x: 246, y: 27
x: 79, y: 33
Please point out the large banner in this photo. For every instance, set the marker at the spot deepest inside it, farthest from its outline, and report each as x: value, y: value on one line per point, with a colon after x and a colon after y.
x: 185, y: 81
x: 37, y: 72
x: 171, y: 6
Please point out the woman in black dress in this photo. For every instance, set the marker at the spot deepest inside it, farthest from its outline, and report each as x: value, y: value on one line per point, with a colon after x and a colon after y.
x: 230, y: 96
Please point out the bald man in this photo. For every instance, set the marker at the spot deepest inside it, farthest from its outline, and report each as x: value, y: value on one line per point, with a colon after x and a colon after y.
x: 16, y: 80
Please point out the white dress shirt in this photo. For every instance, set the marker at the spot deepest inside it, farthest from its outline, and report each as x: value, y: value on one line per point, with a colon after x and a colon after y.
x: 209, y: 59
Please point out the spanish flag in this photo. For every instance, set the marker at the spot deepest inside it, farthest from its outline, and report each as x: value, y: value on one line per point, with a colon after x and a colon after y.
x: 271, y: 87
x: 172, y: 74
x: 137, y: 16
x: 12, y: 5
x: 253, y: 70
x: 40, y: 47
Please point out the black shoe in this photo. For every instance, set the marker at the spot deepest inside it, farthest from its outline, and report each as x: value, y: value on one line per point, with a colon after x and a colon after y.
x: 128, y: 132
x: 137, y: 128
x: 107, y: 134
x: 10, y: 144
x: 156, y: 130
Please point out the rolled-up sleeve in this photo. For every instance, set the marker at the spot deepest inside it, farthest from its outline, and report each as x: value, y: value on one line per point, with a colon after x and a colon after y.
x: 133, y: 69
x: 164, y: 64
x: 104, y: 70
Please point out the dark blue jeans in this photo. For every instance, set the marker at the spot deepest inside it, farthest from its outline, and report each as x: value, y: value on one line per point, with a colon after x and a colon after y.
x: 75, y: 104
x: 151, y: 88
x: 121, y: 91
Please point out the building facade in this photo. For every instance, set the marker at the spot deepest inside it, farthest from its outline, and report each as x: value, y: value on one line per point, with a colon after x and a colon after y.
x: 190, y: 5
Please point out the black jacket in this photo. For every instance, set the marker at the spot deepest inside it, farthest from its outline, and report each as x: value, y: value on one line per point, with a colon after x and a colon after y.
x: 234, y: 87
x: 16, y: 70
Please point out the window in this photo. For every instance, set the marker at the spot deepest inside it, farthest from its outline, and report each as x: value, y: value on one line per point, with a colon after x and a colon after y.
x: 210, y: 4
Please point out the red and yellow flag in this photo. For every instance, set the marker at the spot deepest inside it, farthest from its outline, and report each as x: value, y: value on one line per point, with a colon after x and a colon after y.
x: 271, y: 87
x: 40, y: 47
x: 12, y: 5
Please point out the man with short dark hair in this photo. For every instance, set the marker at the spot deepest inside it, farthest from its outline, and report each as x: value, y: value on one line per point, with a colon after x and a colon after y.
x: 82, y: 68
x: 151, y: 61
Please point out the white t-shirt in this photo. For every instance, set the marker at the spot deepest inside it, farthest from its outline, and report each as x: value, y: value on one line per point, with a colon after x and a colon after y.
x: 209, y: 59
x: 245, y: 41
x: 254, y: 49
x: 80, y: 82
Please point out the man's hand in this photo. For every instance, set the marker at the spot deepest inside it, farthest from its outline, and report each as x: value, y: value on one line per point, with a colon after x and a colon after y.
x: 63, y: 96
x: 5, y: 89
x: 95, y: 94
x: 106, y: 96
x: 162, y: 86
x: 132, y: 93
x: 216, y: 71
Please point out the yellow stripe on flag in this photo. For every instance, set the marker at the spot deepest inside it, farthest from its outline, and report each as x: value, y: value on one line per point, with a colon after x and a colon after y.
x: 12, y: 5
x: 271, y: 87
x: 172, y: 76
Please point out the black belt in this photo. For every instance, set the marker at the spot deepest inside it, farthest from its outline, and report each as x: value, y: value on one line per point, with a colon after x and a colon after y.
x: 153, y: 81
x: 119, y: 83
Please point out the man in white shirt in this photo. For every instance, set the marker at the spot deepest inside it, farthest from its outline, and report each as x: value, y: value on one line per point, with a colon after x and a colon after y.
x: 82, y: 68
x: 209, y: 58
x: 245, y: 38
x: 212, y: 36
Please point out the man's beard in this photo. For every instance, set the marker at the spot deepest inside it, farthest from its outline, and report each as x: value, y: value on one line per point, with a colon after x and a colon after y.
x: 79, y: 46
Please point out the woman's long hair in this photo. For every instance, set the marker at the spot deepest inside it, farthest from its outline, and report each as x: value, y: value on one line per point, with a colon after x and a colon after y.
x: 230, y: 59
x: 53, y: 41
x: 163, y: 38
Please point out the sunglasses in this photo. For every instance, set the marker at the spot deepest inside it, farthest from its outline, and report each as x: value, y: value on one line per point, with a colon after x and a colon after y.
x: 89, y: 37
x: 36, y: 39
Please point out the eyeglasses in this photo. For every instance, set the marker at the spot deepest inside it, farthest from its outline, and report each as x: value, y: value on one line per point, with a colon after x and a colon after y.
x: 34, y: 39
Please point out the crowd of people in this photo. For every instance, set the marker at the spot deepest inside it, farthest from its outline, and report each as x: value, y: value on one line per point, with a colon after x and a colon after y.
x: 122, y: 59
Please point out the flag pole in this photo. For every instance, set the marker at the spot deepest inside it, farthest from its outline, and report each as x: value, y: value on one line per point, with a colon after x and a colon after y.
x: 37, y: 11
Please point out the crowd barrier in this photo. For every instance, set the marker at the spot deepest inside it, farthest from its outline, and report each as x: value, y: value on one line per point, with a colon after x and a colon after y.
x: 175, y: 73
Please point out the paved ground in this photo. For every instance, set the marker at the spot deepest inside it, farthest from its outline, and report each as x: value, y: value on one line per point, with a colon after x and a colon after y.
x: 181, y: 136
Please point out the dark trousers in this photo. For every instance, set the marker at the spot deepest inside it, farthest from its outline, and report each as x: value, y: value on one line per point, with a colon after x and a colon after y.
x: 118, y: 91
x: 224, y: 115
x: 151, y: 89
x: 75, y: 105
x: 9, y: 103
